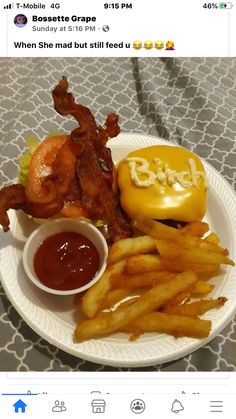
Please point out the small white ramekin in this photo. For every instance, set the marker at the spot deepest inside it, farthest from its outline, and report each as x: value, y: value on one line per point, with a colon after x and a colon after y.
x: 51, y: 227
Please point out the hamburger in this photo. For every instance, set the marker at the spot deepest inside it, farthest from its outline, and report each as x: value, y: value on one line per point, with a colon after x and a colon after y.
x: 70, y: 175
x: 164, y: 183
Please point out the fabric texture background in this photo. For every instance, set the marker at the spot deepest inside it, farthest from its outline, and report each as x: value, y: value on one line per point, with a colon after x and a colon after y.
x: 188, y: 101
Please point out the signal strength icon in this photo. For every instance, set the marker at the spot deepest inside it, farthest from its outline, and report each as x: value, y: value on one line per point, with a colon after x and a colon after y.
x: 8, y: 6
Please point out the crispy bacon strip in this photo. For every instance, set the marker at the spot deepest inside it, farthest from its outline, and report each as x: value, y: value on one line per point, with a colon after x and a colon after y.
x: 64, y: 104
x: 14, y: 197
x: 98, y: 198
x: 64, y: 167
x: 95, y: 168
x: 88, y: 130
x: 10, y: 197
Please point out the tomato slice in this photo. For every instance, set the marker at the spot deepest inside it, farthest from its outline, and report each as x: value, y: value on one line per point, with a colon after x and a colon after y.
x: 41, y: 165
x: 42, y: 161
x: 74, y: 209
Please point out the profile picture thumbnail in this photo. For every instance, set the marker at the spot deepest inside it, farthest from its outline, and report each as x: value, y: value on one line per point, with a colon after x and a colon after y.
x: 20, y: 20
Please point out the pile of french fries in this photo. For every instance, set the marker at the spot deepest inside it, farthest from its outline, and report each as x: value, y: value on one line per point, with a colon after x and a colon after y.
x: 155, y: 282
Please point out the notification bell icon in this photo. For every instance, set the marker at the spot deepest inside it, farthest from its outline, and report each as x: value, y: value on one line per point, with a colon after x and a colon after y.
x: 176, y: 406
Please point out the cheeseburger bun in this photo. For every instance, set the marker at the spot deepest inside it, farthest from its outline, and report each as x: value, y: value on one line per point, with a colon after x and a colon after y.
x: 164, y: 183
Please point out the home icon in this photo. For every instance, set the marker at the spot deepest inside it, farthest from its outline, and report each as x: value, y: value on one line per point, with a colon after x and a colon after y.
x: 98, y: 406
x: 20, y: 406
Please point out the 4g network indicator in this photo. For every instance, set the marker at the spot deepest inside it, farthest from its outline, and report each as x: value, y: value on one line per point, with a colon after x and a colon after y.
x: 124, y: 28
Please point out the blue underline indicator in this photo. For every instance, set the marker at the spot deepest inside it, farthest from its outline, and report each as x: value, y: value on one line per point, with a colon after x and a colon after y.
x: 20, y: 394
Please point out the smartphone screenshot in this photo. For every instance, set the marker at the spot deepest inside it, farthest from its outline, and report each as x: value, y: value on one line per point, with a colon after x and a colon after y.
x: 118, y: 29
x: 117, y: 209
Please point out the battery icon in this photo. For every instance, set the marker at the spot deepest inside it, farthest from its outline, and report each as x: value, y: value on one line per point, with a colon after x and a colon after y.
x: 225, y: 5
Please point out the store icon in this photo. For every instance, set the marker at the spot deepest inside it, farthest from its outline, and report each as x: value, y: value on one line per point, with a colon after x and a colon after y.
x: 98, y: 406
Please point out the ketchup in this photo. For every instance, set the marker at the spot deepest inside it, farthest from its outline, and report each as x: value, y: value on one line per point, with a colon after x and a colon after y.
x: 66, y: 261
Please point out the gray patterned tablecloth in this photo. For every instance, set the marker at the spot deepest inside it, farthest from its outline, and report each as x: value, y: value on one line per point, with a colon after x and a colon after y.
x: 189, y: 101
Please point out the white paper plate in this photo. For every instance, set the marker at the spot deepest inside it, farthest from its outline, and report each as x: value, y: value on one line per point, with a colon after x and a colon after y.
x: 53, y: 318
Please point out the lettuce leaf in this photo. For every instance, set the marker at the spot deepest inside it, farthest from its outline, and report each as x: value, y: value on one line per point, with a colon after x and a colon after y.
x: 24, y: 161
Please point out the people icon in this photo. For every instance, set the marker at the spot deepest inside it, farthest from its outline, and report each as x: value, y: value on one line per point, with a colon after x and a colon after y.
x: 20, y: 21
x: 170, y: 46
x: 59, y: 406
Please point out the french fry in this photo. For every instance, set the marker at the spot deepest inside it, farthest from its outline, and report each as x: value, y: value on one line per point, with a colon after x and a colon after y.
x: 149, y: 301
x: 180, y: 298
x: 196, y: 308
x: 191, y: 241
x: 196, y: 228
x: 157, y: 230
x: 141, y: 280
x: 199, y: 289
x: 143, y: 263
x: 202, y: 288
x: 212, y: 238
x: 129, y: 301
x: 117, y: 296
x: 114, y: 296
x: 191, y: 255
x: 200, y: 269
x: 95, y: 295
x: 186, y: 236
x: 160, y: 231
x: 128, y: 247
x: 171, y: 324
x: 213, y: 247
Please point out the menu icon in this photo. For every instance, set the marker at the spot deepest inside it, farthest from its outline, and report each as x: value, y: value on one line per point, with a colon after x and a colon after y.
x: 216, y: 406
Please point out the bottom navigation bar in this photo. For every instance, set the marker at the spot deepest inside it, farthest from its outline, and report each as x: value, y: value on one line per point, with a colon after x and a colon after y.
x: 116, y: 406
